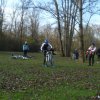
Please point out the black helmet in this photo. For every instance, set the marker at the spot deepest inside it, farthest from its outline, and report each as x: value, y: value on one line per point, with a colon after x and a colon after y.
x: 93, y: 43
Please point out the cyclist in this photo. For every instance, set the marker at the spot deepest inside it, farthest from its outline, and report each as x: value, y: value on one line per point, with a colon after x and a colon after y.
x: 91, y: 52
x: 46, y: 46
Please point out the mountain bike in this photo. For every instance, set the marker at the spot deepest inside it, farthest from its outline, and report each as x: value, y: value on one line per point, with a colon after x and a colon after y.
x: 48, y: 58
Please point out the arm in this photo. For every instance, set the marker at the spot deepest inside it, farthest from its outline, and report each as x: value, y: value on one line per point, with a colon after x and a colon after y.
x: 94, y: 49
x: 41, y: 48
x: 28, y: 48
x: 89, y: 49
x: 23, y: 47
x: 50, y: 45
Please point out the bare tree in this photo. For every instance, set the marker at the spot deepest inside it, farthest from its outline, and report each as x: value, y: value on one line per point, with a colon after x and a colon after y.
x: 2, y: 9
x: 65, y: 14
x: 69, y: 12
x: 85, y: 6
x: 59, y: 25
x: 34, y: 24
x: 81, y: 29
x: 23, y: 7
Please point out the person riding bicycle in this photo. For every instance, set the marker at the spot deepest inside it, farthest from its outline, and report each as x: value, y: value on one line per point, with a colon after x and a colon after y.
x: 46, y: 46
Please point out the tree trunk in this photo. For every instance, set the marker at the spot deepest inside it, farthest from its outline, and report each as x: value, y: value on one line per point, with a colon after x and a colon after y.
x: 81, y: 32
x: 59, y: 27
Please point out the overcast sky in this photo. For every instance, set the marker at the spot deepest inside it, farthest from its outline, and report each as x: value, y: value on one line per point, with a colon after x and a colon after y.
x: 94, y: 20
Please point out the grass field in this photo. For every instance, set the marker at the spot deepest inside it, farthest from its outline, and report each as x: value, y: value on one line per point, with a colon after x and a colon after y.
x: 30, y: 80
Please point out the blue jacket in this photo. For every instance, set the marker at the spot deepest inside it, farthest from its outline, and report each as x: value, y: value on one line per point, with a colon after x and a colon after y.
x: 25, y: 47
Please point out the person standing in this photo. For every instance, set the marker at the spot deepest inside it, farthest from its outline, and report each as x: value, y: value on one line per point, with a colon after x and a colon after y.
x: 98, y: 54
x: 91, y: 51
x: 76, y: 54
x: 25, y: 48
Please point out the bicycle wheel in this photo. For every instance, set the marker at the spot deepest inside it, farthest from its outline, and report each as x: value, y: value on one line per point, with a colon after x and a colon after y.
x: 49, y: 58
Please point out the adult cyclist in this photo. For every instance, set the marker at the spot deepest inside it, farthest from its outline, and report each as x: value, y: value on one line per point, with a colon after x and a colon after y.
x: 46, y: 46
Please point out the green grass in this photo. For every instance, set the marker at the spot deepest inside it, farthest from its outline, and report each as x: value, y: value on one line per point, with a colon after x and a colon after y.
x: 30, y: 80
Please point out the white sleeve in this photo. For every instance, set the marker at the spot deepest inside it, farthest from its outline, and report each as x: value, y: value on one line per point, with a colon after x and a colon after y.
x: 94, y: 49
x: 89, y: 48
x: 42, y: 46
x: 50, y: 45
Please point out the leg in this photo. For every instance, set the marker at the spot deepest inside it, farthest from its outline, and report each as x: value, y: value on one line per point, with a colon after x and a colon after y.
x: 44, y: 62
x: 99, y: 57
x: 50, y: 58
x: 52, y: 62
x: 90, y: 60
x: 86, y: 57
x: 25, y: 53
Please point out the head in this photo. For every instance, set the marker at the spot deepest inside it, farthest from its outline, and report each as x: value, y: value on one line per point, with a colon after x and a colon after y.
x: 46, y: 41
x: 93, y: 44
x: 25, y: 42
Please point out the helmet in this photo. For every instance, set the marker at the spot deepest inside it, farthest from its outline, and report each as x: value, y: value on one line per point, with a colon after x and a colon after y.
x: 46, y: 41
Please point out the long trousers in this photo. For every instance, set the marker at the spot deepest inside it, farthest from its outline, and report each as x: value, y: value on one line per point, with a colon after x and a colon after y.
x: 25, y: 53
x: 44, y: 57
x: 91, y: 60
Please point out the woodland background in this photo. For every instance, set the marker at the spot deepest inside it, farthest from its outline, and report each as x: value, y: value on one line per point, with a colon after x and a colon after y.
x: 70, y: 29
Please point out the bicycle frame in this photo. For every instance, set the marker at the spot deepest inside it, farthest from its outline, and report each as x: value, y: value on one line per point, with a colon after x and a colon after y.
x: 49, y: 58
